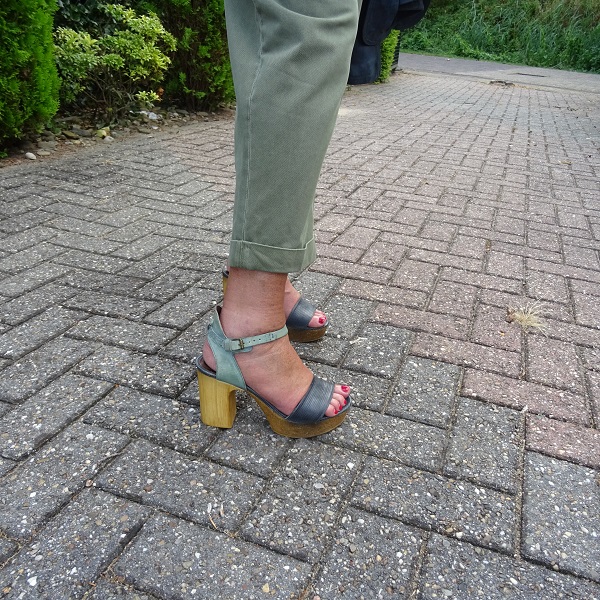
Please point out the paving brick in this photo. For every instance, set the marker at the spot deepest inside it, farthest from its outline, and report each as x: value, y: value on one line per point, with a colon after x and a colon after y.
x: 416, y: 275
x: 564, y: 270
x: 453, y: 299
x: 155, y: 375
x: 205, y: 492
x: 564, y: 440
x: 480, y: 280
x: 111, y: 305
x: 368, y: 391
x: 25, y: 259
x: 38, y: 487
x: 316, y: 287
x: 554, y: 363
x: 45, y: 414
x: 122, y: 333
x: 329, y: 350
x: 15, y: 286
x: 91, y: 261
x: 446, y: 260
x: 547, y: 286
x: 346, y: 315
x: 457, y: 508
x: 161, y: 420
x: 170, y: 284
x: 387, y: 437
x: 86, y: 243
x: 560, y: 511
x: 586, y: 310
x: 38, y: 330
x: 351, y: 270
x: 370, y: 554
x: 469, y: 246
x: 466, y: 354
x: 357, y: 237
x: 425, y: 392
x: 387, y: 294
x: 36, y: 370
x: 378, y: 349
x: 302, y: 503
x: 485, y: 445
x: 519, y: 394
x: 454, y: 569
x: 188, y: 345
x: 184, y: 309
x: 15, y: 242
x: 492, y: 329
x: 505, y: 265
x: 106, y: 283
x: 189, y: 560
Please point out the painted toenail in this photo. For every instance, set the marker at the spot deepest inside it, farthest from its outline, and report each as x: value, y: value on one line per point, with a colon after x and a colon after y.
x: 345, y: 388
x: 321, y: 320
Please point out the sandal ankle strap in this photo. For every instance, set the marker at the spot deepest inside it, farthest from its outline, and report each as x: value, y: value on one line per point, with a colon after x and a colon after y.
x: 225, y: 348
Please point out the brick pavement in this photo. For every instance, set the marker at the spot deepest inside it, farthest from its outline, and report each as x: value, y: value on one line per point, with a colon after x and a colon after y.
x: 469, y: 466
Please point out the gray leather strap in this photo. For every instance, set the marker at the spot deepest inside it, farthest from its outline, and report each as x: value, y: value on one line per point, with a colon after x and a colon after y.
x: 314, y: 404
x: 224, y: 350
x: 301, y: 314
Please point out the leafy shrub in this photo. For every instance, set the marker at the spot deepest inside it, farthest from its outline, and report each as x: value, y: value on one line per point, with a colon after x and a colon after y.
x: 28, y: 79
x: 113, y: 71
x: 388, y: 50
x: 200, y: 75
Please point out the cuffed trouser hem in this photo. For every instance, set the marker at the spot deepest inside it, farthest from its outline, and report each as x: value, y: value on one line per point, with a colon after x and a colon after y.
x: 257, y: 257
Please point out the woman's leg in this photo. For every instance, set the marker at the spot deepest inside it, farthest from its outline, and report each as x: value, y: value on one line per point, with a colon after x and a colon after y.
x: 290, y: 61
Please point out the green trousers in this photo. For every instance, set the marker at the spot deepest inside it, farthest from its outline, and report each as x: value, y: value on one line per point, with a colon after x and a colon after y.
x: 290, y: 61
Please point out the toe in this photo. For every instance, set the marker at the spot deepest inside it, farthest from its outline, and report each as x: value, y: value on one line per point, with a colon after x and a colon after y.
x: 318, y: 319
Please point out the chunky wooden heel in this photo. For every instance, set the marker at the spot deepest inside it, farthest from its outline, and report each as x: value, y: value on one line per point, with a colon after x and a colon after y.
x: 217, y: 402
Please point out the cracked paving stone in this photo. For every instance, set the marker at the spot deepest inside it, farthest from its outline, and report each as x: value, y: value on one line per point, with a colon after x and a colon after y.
x: 456, y: 570
x: 372, y: 557
x: 122, y: 333
x: 160, y: 420
x: 425, y: 392
x: 74, y: 549
x: 378, y: 350
x: 194, y: 489
x: 7, y: 549
x: 151, y: 374
x: 189, y: 561
x: 301, y: 506
x: 485, y: 445
x: 36, y: 370
x: 388, y: 437
x: 561, y: 513
x: 37, y: 487
x: 42, y: 416
x: 458, y: 508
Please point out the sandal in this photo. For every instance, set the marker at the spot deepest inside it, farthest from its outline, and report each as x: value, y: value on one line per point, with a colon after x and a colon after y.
x: 217, y: 389
x: 298, y: 320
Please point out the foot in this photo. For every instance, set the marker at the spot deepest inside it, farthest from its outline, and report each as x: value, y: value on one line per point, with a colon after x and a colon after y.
x: 253, y: 305
x: 290, y: 299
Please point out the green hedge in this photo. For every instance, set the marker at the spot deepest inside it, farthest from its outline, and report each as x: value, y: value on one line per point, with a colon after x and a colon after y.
x: 200, y: 73
x: 28, y: 79
x: 545, y: 33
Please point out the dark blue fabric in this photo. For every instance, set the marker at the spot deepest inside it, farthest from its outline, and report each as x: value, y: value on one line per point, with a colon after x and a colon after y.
x: 377, y: 19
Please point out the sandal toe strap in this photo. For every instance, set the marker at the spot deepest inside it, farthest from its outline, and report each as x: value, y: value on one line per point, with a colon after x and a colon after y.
x: 313, y: 405
x: 301, y: 314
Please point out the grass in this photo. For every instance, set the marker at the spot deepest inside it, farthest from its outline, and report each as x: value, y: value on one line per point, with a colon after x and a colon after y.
x: 528, y: 317
x: 562, y: 34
